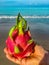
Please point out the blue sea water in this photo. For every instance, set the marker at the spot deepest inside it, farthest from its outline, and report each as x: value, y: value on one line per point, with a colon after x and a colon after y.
x: 39, y: 16
x: 24, y: 10
x: 37, y: 19
x: 38, y: 23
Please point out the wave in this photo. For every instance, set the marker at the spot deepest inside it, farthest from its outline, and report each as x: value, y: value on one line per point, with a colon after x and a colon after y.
x: 12, y: 17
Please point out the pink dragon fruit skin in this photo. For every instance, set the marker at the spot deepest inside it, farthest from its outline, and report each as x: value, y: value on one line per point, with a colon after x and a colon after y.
x: 28, y: 50
x: 10, y: 44
x: 27, y: 36
x: 26, y: 53
x: 19, y: 38
x: 14, y: 34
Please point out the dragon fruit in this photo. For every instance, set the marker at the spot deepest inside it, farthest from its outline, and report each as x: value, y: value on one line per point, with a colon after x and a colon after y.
x: 19, y: 42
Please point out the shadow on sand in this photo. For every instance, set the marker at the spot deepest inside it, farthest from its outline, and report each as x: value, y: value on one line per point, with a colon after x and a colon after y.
x: 45, y: 60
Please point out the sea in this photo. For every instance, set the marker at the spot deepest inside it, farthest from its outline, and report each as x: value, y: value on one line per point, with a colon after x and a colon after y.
x: 37, y: 19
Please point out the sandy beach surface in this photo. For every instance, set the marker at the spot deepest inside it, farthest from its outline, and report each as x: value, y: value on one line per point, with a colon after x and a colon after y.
x: 41, y: 37
x: 3, y: 36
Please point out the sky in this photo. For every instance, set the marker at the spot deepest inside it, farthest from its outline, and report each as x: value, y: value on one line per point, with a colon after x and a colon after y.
x: 27, y: 2
x: 34, y: 1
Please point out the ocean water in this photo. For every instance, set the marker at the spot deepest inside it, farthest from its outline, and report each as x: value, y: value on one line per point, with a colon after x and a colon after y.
x: 37, y: 19
x: 24, y: 10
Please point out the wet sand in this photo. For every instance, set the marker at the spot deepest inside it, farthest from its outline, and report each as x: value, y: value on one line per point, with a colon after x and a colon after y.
x: 39, y: 36
x: 3, y: 36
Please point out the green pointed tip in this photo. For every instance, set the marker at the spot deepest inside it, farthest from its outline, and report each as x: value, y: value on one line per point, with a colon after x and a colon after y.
x: 19, y: 14
x: 30, y: 41
x: 18, y: 19
x: 11, y: 30
x: 28, y: 29
x: 16, y: 49
x: 21, y: 23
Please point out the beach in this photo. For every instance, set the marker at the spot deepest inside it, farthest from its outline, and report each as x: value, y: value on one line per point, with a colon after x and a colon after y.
x: 39, y: 31
x: 37, y: 17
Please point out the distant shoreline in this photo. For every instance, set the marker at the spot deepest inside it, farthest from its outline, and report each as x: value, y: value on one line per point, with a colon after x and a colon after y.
x: 24, y: 17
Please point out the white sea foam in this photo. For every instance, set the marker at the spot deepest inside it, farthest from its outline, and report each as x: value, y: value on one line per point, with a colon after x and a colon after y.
x: 23, y: 17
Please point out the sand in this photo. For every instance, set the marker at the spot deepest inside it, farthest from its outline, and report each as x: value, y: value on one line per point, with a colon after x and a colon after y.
x: 41, y: 38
